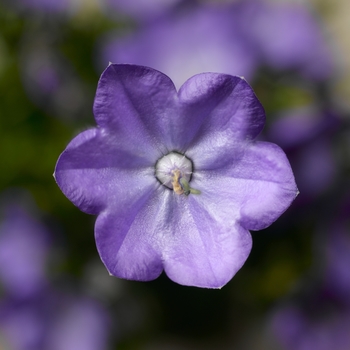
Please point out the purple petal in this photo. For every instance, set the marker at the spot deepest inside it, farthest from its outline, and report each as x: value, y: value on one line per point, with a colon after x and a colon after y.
x: 97, y: 169
x: 138, y: 103
x: 197, y: 245
x: 157, y: 119
x: 203, y: 244
x: 127, y: 237
x: 227, y: 113
x: 257, y: 188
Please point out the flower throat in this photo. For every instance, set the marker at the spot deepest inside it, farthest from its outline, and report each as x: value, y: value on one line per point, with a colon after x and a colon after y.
x: 174, y: 170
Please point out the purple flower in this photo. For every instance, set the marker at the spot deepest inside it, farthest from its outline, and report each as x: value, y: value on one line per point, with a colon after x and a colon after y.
x: 228, y: 38
x: 324, y: 328
x: 306, y: 136
x: 23, y: 252
x: 24, y: 324
x: 54, y: 321
x: 176, y: 178
x: 81, y: 323
x: 185, y: 43
x: 34, y: 315
x: 289, y: 37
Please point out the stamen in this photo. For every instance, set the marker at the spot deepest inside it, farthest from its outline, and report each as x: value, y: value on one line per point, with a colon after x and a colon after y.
x: 176, y: 184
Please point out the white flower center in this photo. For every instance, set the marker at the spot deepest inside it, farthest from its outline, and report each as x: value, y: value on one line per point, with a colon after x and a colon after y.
x: 174, y: 171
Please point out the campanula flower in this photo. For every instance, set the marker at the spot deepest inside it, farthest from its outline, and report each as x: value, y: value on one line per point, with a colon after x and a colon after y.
x: 176, y: 178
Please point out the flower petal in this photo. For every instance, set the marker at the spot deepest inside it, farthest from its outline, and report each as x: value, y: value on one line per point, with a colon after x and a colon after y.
x: 138, y: 103
x: 205, y: 246
x: 222, y: 113
x: 96, y: 170
x: 126, y: 237
x: 196, y: 245
x: 259, y: 187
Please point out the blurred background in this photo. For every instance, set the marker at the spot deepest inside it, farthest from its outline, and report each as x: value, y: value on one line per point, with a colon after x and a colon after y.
x: 293, y: 293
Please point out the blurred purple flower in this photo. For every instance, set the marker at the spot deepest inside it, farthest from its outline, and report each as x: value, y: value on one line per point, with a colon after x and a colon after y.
x: 233, y: 39
x: 34, y: 315
x: 24, y: 323
x: 80, y: 323
x: 23, y: 252
x: 318, y: 318
x: 154, y: 150
x: 184, y: 43
x: 337, y: 272
x: 51, y: 321
x: 324, y: 328
x: 306, y: 136
x: 289, y: 37
x: 336, y: 248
